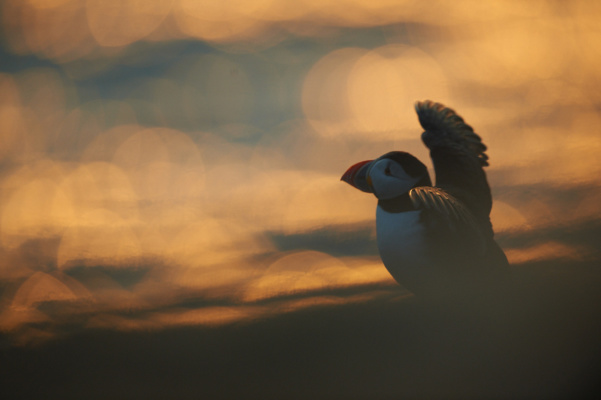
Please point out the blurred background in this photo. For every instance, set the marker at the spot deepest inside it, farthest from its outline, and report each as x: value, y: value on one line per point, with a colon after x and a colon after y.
x: 168, y: 165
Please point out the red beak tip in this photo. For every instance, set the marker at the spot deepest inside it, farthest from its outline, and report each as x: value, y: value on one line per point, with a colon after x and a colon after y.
x: 349, y: 175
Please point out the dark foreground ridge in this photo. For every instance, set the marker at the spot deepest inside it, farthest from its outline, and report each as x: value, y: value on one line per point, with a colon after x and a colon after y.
x: 544, y: 342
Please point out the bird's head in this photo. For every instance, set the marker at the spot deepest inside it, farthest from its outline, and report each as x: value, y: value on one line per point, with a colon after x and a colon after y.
x: 388, y: 176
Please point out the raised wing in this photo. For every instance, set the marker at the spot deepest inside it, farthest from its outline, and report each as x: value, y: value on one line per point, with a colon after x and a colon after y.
x: 445, y: 128
x: 458, y: 155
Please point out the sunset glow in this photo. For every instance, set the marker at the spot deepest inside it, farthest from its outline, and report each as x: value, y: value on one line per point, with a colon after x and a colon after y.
x: 181, y: 159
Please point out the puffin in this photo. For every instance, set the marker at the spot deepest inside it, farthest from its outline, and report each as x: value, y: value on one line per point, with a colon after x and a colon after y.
x: 437, y: 241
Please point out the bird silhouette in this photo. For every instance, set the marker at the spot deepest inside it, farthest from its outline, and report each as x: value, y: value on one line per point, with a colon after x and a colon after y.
x: 436, y: 241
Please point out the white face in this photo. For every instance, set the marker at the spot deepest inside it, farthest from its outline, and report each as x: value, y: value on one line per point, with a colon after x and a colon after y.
x: 388, y: 179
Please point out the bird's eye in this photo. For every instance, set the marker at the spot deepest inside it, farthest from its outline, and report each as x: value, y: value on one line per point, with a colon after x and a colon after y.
x: 387, y: 171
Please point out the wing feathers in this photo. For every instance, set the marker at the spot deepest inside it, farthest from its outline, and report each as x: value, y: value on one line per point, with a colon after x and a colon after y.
x: 444, y: 127
x: 439, y: 201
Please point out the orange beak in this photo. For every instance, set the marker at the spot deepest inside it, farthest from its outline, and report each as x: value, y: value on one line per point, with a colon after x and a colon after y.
x: 355, y: 176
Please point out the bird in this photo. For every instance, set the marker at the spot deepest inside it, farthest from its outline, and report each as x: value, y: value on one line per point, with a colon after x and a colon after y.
x: 437, y: 241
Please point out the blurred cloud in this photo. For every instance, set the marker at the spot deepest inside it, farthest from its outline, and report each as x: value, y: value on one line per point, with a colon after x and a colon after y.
x: 177, y: 163
x: 545, y: 251
x: 371, y: 93
x: 310, y: 270
x: 125, y: 22
x: 508, y: 53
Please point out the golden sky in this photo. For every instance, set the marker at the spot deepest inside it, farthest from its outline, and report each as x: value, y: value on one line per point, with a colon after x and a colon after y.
x: 174, y: 162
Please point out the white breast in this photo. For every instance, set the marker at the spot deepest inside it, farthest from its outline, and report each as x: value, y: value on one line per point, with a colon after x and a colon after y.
x: 402, y: 246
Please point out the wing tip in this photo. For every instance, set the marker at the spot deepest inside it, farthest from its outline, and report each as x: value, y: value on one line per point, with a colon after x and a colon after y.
x: 444, y: 121
x: 437, y: 116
